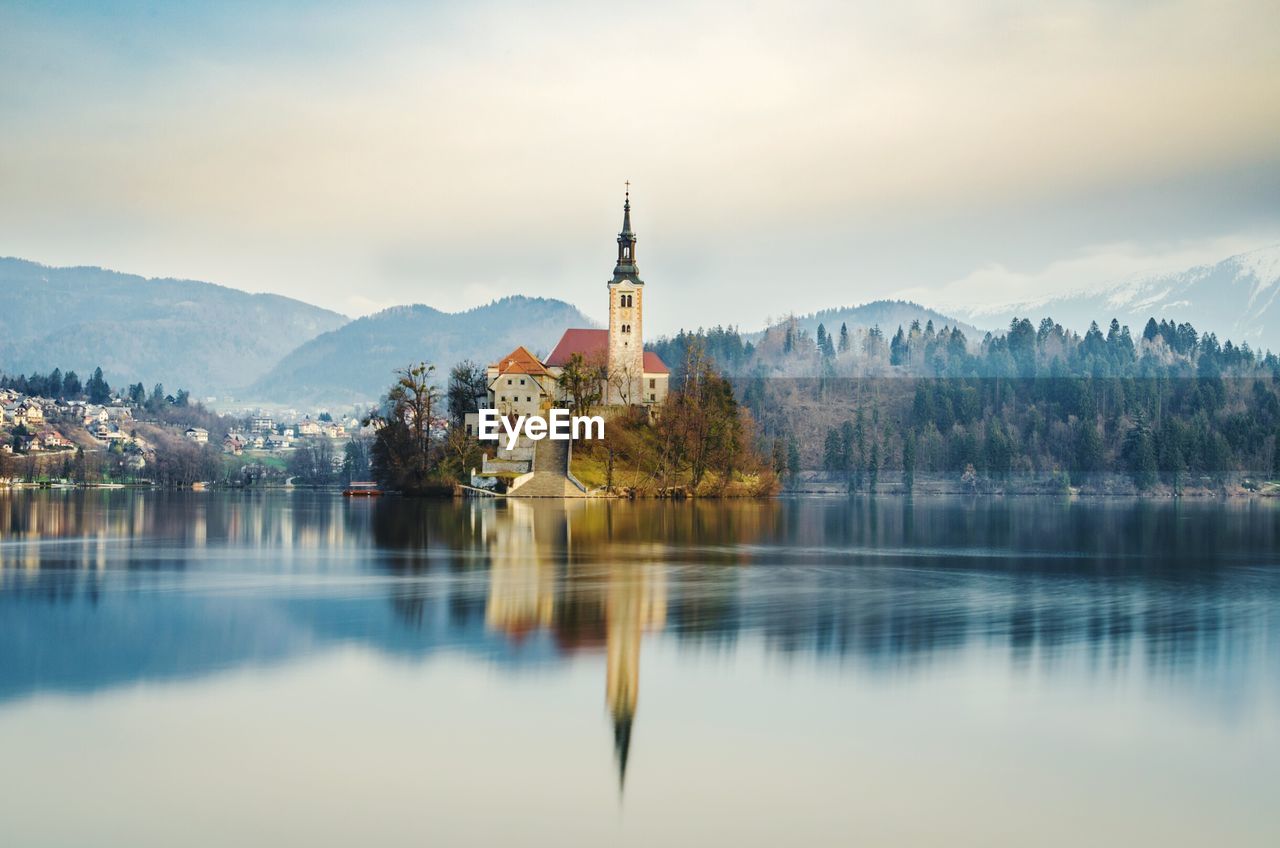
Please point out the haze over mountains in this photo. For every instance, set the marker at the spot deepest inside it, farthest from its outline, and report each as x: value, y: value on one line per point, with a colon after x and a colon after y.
x: 888, y: 315
x: 355, y: 362
x: 182, y: 333
x: 1237, y: 298
x: 265, y: 348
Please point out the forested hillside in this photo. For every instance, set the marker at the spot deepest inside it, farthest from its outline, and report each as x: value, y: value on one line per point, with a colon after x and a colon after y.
x: 1168, y: 406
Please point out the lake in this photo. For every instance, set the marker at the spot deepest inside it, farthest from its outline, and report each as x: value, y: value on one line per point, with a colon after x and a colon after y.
x: 184, y: 668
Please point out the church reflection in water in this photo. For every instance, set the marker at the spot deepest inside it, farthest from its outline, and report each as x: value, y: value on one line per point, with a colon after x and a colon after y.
x: 539, y: 581
x: 102, y: 589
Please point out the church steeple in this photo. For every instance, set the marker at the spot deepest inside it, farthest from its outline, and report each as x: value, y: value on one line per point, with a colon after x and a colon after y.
x: 626, y: 268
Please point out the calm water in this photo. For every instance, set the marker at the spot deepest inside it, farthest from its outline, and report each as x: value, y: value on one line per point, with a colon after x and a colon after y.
x: 224, y: 669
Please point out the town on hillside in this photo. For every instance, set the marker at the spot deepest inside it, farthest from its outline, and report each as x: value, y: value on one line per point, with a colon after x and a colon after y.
x: 70, y: 433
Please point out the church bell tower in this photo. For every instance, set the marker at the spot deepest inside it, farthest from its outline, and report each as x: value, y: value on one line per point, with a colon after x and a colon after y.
x: 626, y: 317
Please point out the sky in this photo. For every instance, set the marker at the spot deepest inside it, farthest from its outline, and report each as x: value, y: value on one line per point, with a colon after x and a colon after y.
x: 783, y: 157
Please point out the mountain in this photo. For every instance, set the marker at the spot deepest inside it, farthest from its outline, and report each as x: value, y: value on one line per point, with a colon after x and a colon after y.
x: 183, y: 333
x: 887, y: 314
x: 1238, y: 299
x: 354, y: 363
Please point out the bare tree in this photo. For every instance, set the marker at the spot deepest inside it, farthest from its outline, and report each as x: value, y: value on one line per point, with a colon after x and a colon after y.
x: 624, y: 381
x: 580, y: 382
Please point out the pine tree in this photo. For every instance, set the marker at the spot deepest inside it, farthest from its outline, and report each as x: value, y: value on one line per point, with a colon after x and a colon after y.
x: 898, y: 349
x: 833, y: 455
x: 97, y: 388
x: 1140, y: 456
x: 779, y: 456
x: 909, y: 461
x: 1088, y: 453
x: 844, y: 337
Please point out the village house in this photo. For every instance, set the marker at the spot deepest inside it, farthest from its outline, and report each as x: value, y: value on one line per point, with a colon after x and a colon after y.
x: 51, y: 440
x: 519, y: 384
x: 199, y: 435
x: 307, y: 427
x: 29, y: 414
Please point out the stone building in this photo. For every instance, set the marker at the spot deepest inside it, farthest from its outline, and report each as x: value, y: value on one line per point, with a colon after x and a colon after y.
x: 632, y: 375
x: 521, y: 384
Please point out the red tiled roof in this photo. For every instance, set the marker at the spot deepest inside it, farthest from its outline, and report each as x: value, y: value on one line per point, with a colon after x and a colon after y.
x: 594, y: 344
x: 589, y: 343
x: 520, y: 361
x: 653, y: 364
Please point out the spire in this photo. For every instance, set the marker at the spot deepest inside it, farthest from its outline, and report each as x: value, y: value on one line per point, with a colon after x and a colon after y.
x: 622, y: 747
x: 626, y: 268
x: 626, y: 213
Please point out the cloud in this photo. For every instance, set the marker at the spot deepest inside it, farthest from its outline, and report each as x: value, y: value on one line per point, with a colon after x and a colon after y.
x: 444, y: 153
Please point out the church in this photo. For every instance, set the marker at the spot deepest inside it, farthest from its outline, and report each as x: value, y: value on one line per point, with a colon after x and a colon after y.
x: 521, y: 384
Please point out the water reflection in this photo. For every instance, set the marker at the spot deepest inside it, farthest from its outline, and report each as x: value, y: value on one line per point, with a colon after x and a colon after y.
x: 101, y: 589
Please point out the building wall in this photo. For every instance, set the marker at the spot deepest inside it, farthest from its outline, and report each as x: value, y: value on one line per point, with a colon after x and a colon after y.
x: 519, y: 394
x: 626, y: 349
x: 654, y: 387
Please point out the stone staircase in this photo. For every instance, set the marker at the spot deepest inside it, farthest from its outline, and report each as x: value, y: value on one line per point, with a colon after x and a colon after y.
x: 550, y: 474
x: 551, y: 457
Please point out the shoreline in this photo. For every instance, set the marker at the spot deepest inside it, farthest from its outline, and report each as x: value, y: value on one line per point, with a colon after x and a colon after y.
x: 823, y: 489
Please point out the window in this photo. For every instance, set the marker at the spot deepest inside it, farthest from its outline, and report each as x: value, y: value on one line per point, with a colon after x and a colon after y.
x: 653, y: 383
x: 653, y: 398
x: 508, y: 381
x: 522, y: 381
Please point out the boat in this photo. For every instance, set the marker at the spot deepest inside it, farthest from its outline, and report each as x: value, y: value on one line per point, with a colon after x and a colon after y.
x: 361, y: 489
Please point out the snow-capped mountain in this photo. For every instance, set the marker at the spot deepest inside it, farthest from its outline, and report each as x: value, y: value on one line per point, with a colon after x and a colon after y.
x: 1238, y: 299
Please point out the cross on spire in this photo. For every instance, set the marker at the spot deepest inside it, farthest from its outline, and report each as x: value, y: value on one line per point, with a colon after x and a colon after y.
x: 626, y: 267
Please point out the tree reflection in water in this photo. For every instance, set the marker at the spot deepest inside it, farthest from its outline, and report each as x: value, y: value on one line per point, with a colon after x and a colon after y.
x: 104, y: 588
